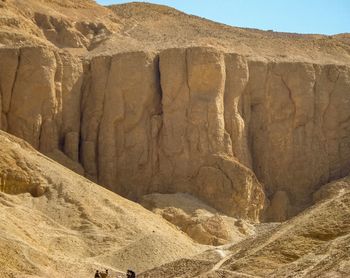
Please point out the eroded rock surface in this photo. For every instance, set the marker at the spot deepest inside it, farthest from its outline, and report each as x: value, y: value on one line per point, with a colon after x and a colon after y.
x: 314, y: 243
x: 152, y: 103
x: 228, y: 125
x: 201, y: 222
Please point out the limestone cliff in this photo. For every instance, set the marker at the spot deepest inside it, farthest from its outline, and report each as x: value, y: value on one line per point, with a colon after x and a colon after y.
x: 226, y: 126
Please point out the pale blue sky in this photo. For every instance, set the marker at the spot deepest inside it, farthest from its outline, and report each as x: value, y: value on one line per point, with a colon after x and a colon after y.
x: 299, y: 16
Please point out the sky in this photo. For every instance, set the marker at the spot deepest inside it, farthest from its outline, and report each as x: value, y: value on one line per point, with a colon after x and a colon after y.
x: 296, y: 16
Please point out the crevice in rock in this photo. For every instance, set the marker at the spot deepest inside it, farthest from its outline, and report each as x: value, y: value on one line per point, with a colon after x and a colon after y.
x: 290, y: 96
x: 330, y: 97
x: 15, y: 80
x: 85, y: 85
x: 159, y: 83
x: 98, y: 135
x: 188, y: 85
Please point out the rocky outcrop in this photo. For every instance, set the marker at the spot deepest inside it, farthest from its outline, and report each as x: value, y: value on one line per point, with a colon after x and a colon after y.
x: 119, y: 113
x: 63, y: 33
x: 195, y: 153
x: 193, y: 120
x: 299, y: 127
x: 35, y: 110
x: 315, y: 243
x: 142, y: 135
x: 16, y: 176
x: 202, y: 223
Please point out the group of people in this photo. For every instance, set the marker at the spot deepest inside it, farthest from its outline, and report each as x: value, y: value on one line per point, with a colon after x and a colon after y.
x: 129, y: 274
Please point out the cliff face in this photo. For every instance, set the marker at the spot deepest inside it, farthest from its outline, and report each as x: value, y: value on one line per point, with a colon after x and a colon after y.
x: 130, y: 131
x: 230, y: 127
x: 299, y: 126
x: 185, y: 120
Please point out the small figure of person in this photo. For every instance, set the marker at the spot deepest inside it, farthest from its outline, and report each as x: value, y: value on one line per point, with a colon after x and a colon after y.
x: 130, y: 274
x: 97, y: 274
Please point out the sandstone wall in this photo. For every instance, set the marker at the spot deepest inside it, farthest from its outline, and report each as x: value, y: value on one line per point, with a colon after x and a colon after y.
x: 195, y: 150
x: 191, y: 120
x: 299, y: 126
x: 119, y: 117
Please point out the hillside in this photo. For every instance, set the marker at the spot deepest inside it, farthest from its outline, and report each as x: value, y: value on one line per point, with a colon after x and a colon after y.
x: 55, y: 223
x: 313, y: 244
x: 154, y: 27
x: 80, y: 25
x: 230, y: 136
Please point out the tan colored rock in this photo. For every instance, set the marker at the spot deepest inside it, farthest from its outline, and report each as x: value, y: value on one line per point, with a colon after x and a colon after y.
x: 16, y: 177
x: 119, y: 122
x: 1, y: 114
x: 331, y: 190
x: 34, y: 101
x: 206, y: 79
x: 279, y: 207
x: 292, y: 127
x: 174, y: 155
x: 314, y: 243
x: 3, y: 122
x: 193, y: 125
x: 141, y: 117
x: 66, y: 161
x: 231, y: 188
x: 38, y: 190
x: 88, y: 158
x: 49, y: 136
x: 201, y: 222
x: 194, y: 131
x: 268, y: 116
x: 59, y: 31
x: 10, y: 58
x: 72, y: 81
x: 237, y: 114
x: 143, y: 98
x: 71, y: 145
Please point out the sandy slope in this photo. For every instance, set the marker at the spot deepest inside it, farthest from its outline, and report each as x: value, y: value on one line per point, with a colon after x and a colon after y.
x: 201, y: 222
x: 148, y: 26
x: 76, y: 226
x: 315, y: 243
x: 80, y: 25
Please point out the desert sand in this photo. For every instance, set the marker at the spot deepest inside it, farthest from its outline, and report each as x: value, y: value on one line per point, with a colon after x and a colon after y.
x: 56, y: 223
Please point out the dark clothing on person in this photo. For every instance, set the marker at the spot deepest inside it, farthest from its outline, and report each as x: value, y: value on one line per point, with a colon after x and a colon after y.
x: 97, y: 274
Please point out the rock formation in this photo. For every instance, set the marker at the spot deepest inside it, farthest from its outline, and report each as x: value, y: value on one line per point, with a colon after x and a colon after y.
x: 313, y: 244
x: 214, y: 128
x: 202, y: 223
x: 225, y: 123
